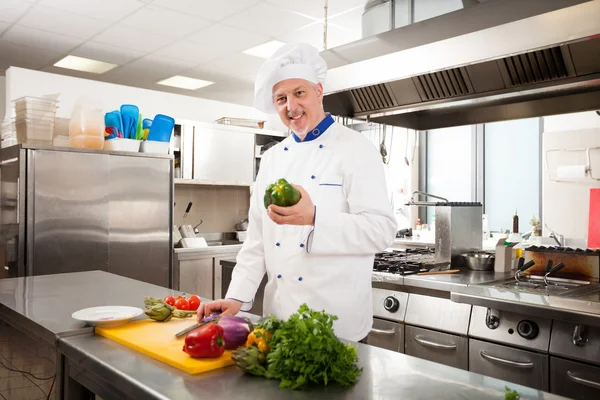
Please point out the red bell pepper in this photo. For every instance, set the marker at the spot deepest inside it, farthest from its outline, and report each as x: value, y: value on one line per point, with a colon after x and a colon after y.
x: 206, y: 341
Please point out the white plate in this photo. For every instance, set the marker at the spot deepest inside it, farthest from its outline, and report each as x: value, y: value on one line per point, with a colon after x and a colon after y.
x: 107, y: 315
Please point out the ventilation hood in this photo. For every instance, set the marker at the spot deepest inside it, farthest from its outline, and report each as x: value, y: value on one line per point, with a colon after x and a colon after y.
x: 498, y: 60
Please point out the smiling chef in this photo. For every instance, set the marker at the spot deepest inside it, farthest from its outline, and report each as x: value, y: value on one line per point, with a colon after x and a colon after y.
x: 319, y: 251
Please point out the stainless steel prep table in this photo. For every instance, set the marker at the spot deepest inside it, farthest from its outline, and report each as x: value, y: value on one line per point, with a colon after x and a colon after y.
x: 41, y: 306
x: 114, y: 371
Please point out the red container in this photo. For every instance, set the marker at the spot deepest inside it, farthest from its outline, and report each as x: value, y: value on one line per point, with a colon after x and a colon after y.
x: 594, y: 221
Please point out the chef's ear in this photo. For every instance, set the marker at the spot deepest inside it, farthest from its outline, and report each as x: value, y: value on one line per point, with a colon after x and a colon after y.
x: 319, y: 89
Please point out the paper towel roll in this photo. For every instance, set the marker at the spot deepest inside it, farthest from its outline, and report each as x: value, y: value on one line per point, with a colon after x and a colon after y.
x: 571, y: 172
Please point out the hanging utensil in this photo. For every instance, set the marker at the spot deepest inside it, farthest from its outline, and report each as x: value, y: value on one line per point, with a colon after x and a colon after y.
x: 382, y: 149
x: 187, y: 210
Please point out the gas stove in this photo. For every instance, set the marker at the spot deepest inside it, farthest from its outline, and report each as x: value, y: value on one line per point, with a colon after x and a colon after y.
x: 404, y: 262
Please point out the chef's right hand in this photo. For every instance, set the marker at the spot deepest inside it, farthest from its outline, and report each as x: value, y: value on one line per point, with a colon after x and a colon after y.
x: 226, y: 306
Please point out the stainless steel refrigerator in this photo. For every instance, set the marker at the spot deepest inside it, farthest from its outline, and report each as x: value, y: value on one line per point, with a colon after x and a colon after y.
x: 68, y: 210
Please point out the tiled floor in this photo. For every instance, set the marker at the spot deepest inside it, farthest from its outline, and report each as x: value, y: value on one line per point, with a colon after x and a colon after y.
x: 18, y: 351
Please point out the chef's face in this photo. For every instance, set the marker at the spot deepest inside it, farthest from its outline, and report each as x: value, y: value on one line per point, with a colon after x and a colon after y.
x: 299, y: 104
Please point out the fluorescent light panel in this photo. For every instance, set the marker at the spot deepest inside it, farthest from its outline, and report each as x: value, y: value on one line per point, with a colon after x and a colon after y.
x: 85, y: 64
x: 184, y: 82
x: 264, y: 50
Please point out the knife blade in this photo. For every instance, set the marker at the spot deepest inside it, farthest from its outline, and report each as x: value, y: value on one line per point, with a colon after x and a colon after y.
x: 198, y: 325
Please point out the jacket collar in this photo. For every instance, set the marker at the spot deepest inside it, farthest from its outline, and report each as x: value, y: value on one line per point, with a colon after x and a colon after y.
x: 317, y: 131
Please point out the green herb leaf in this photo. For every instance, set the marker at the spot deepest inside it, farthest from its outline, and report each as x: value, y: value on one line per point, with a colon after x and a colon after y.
x: 305, y: 350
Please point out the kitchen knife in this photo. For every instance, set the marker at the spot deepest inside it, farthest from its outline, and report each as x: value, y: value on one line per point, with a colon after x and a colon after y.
x: 198, y: 325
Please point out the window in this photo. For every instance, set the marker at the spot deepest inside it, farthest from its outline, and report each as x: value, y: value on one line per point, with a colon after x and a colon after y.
x: 450, y: 166
x: 512, y: 172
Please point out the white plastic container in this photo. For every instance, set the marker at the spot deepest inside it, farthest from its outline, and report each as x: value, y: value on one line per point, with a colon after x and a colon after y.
x: 151, y: 146
x: 35, y: 131
x: 28, y: 103
x: 120, y: 144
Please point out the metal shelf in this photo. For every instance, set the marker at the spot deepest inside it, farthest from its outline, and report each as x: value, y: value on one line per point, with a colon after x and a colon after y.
x: 198, y: 182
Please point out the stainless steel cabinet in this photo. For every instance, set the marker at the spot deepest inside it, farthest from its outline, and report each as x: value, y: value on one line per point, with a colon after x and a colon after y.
x: 387, y: 335
x: 196, y: 277
x: 70, y: 210
x: 513, y: 365
x: 439, y: 347
x: 574, y: 380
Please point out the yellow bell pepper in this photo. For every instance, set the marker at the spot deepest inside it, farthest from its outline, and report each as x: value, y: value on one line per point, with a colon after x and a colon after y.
x: 260, y: 342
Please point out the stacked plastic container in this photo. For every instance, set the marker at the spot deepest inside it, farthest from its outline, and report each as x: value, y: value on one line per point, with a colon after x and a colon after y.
x: 8, y: 136
x: 34, y: 121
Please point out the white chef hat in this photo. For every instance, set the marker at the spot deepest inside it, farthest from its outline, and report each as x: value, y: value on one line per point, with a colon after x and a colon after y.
x: 291, y: 61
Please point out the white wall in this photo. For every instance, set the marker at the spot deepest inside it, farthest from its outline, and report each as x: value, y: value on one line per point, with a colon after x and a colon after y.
x: 565, y: 205
x: 23, y: 82
x: 2, y: 97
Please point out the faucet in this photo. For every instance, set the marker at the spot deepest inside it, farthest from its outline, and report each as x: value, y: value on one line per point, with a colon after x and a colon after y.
x: 558, y: 238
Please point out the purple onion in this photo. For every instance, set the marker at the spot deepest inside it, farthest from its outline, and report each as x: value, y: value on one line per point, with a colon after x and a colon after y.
x: 235, y: 330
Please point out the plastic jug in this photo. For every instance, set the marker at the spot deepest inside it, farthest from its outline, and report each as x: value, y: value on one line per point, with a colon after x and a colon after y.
x: 86, y: 128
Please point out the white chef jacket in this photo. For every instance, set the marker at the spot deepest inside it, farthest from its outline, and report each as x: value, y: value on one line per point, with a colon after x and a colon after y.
x: 328, y: 266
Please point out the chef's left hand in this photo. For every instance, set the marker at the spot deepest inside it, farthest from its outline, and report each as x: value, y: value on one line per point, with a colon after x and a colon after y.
x: 302, y: 213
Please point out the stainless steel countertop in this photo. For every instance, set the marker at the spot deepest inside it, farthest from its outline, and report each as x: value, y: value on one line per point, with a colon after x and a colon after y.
x: 453, y: 282
x: 386, y: 375
x: 583, y: 310
x: 192, y: 253
x: 93, y: 151
x: 42, y: 305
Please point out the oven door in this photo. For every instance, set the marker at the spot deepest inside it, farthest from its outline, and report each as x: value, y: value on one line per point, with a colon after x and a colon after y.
x: 387, y: 335
x: 574, y: 379
x: 443, y: 348
x: 509, y: 364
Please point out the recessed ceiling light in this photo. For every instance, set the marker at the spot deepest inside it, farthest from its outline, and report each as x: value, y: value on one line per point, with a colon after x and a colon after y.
x: 85, y: 64
x: 184, y: 82
x: 264, y: 50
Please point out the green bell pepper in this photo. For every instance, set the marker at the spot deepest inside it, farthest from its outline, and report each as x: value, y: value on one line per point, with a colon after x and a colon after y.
x: 281, y: 193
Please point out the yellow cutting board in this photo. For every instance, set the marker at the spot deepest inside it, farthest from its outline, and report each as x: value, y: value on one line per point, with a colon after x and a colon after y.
x: 157, y: 340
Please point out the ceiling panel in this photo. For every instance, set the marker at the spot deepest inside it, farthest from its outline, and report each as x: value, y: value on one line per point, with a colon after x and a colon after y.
x: 63, y: 22
x: 3, y: 26
x: 192, y: 52
x: 132, y: 38
x: 236, y: 65
x: 11, y: 10
x: 40, y: 39
x: 107, y: 53
x: 316, y: 8
x: 111, y: 10
x: 162, y: 65
x: 26, y: 57
x: 351, y: 20
x: 210, y: 9
x: 313, y: 35
x: 229, y: 38
x: 267, y: 20
x: 165, y: 22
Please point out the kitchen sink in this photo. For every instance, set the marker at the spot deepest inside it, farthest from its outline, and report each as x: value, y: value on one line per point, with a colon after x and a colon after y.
x: 556, y: 286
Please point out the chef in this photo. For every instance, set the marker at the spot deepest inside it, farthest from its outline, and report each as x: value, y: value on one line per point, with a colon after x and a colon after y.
x: 321, y: 250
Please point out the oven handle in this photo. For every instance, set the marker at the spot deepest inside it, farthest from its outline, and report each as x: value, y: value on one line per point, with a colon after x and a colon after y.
x: 582, y: 381
x: 385, y: 332
x: 504, y: 361
x: 429, y: 343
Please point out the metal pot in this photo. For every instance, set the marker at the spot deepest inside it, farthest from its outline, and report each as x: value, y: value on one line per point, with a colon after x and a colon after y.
x: 242, y: 225
x: 479, y: 261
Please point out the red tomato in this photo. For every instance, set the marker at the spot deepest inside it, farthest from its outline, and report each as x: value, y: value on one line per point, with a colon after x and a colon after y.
x: 170, y: 300
x: 194, y: 302
x: 182, y: 304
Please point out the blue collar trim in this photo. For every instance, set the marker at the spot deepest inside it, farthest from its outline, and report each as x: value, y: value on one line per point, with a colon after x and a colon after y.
x: 317, y: 131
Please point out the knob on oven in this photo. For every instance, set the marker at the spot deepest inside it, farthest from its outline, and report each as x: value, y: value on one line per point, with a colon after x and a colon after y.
x: 391, y: 304
x: 528, y: 329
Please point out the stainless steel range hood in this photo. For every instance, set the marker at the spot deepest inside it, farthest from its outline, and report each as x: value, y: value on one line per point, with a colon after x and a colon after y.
x: 498, y: 60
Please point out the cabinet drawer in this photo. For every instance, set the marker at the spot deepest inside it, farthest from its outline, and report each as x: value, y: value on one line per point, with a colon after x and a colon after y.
x: 513, y: 365
x: 387, y: 335
x: 574, y: 380
x: 439, y: 347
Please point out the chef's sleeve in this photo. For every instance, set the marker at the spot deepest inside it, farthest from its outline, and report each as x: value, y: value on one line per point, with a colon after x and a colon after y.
x: 250, y: 263
x: 369, y: 226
